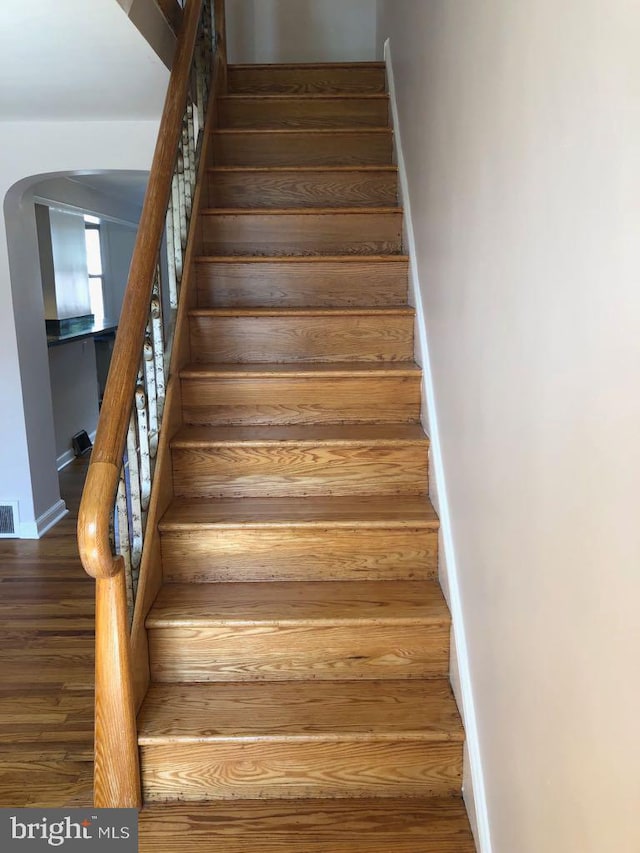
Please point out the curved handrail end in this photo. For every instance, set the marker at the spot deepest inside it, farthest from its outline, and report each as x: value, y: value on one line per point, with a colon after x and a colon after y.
x: 93, y: 523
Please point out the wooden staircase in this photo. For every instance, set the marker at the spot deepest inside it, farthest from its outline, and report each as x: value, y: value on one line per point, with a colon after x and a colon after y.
x: 299, y: 645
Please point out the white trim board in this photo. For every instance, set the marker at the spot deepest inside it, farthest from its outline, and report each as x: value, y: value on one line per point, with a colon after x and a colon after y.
x: 474, y: 787
x: 48, y: 519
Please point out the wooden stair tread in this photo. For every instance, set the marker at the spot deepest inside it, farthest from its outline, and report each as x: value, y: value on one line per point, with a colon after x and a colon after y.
x: 310, y: 434
x: 296, y: 169
x: 331, y: 711
x: 298, y: 259
x: 329, y: 603
x: 203, y: 513
x: 292, y: 96
x: 409, y: 825
x: 319, y: 311
x: 301, y: 66
x: 300, y: 211
x: 356, y: 128
x: 303, y: 370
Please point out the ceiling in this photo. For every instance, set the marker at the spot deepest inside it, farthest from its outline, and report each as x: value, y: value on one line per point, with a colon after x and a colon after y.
x: 76, y: 60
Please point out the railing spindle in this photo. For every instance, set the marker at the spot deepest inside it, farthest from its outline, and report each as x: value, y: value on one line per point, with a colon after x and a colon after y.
x: 117, y: 496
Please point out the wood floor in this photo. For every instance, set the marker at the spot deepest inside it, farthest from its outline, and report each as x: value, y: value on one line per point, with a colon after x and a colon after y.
x: 46, y: 665
x: 46, y: 729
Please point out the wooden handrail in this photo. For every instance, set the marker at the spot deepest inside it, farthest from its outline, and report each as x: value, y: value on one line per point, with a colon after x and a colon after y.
x: 108, y: 448
x: 133, y: 404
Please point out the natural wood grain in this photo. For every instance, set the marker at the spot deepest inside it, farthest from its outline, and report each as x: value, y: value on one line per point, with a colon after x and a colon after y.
x: 345, y: 280
x: 369, y: 512
x: 313, y: 711
x: 291, y: 604
x: 333, y: 78
x: 258, y: 770
x: 116, y: 773
x: 150, y: 578
x: 256, y: 554
x: 258, y: 395
x: 279, y: 631
x: 292, y: 539
x: 116, y: 779
x: 288, y: 460
x: 114, y: 420
x: 47, y: 664
x: 321, y: 186
x: 312, y: 826
x: 371, y: 231
x: 290, y: 147
x: 307, y: 111
x: 351, y: 334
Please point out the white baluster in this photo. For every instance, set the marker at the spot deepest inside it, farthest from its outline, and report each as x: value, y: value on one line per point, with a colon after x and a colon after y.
x: 135, y: 501
x: 157, y: 336
x: 188, y: 180
x: 152, y: 395
x: 122, y: 540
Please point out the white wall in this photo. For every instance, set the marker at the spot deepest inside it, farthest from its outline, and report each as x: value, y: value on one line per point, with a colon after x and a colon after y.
x: 32, y: 151
x: 301, y: 30
x: 74, y: 391
x: 521, y: 129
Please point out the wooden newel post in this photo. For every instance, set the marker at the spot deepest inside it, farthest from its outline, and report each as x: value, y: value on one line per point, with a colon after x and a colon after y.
x: 117, y: 764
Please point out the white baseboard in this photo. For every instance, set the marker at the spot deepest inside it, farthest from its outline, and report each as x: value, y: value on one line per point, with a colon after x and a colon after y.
x: 474, y: 787
x: 48, y: 519
x: 68, y: 456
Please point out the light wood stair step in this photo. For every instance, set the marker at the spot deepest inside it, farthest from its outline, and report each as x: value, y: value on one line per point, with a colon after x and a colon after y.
x: 407, y: 825
x: 308, y: 78
x: 303, y: 111
x: 328, y: 711
x: 301, y: 282
x: 372, y: 738
x: 296, y: 393
x: 267, y: 335
x: 281, y: 461
x: 291, y: 539
x: 283, y: 631
x: 303, y: 186
x: 301, y: 231
x: 290, y: 147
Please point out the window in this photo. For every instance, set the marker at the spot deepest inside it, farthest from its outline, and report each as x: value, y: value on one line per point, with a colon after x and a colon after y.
x: 94, y: 266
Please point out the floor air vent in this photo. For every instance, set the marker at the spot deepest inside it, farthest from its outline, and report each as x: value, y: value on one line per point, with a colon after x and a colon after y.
x: 8, y: 516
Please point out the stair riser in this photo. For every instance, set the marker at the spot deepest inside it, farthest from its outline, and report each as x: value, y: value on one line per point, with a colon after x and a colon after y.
x: 301, y: 284
x: 301, y: 234
x: 306, y: 81
x: 360, y: 148
x: 248, y: 340
x: 302, y: 189
x: 294, y: 554
x: 299, y: 400
x: 248, y: 112
x: 299, y: 470
x: 368, y: 650
x: 292, y: 771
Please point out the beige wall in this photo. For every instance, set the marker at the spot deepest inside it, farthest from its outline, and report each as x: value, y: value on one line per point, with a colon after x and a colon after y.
x: 301, y: 30
x: 520, y: 124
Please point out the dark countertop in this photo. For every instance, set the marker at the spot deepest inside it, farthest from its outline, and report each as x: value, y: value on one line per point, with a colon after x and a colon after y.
x: 90, y: 329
